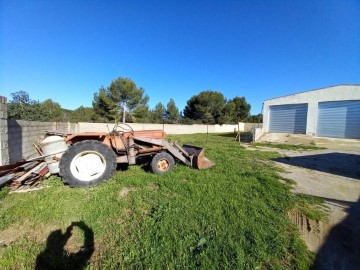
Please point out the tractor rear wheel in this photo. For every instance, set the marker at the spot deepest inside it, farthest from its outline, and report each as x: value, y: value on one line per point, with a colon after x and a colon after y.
x: 162, y: 163
x: 87, y: 163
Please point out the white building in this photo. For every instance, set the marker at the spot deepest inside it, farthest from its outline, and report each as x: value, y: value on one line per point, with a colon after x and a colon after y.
x: 327, y: 112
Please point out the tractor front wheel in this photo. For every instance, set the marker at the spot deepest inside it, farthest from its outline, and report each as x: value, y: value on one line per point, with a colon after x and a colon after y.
x: 87, y: 163
x: 162, y: 163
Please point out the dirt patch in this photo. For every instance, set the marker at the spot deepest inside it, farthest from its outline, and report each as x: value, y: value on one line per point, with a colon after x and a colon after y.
x: 315, y: 232
x: 17, y: 231
x: 10, y: 235
x: 75, y: 241
x: 124, y: 192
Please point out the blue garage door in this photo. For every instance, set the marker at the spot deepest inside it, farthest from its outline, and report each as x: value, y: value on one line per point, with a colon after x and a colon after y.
x: 289, y: 118
x: 339, y: 119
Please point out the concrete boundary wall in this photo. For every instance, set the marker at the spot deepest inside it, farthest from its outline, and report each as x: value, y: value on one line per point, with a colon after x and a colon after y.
x: 21, y: 136
x: 4, y: 152
x: 17, y: 137
x: 168, y: 128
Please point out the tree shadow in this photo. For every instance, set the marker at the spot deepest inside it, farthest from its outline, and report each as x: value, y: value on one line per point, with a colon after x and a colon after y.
x: 245, y: 137
x: 341, y: 249
x: 228, y: 135
x: 56, y: 257
x: 342, y: 164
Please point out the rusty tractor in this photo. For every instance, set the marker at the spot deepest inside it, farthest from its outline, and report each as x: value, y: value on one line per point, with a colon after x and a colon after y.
x: 87, y: 159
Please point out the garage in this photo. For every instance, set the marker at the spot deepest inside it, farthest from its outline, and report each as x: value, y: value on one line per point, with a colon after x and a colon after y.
x: 339, y: 119
x: 290, y: 118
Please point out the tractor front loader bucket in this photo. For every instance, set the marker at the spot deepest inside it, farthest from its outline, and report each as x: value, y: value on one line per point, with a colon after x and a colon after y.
x: 199, y: 161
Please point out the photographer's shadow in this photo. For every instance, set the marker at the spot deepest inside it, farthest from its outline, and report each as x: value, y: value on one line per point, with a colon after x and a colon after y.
x: 56, y: 257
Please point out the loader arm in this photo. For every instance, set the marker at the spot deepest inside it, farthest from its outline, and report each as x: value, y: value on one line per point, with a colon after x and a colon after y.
x: 190, y: 155
x: 166, y: 145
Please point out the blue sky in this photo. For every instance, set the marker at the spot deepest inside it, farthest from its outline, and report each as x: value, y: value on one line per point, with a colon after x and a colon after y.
x: 66, y: 50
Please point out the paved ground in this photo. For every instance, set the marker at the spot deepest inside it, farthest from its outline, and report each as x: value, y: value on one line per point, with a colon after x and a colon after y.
x: 330, y: 143
x: 334, y: 175
x: 329, y: 174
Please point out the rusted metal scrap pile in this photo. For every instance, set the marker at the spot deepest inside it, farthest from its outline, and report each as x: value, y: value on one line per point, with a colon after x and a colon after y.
x: 23, y: 176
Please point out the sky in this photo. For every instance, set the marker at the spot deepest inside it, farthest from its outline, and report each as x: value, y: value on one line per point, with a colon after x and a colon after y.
x: 66, y: 50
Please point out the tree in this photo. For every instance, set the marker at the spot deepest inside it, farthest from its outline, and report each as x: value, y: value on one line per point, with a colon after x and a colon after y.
x: 21, y: 107
x: 21, y: 97
x: 140, y: 114
x: 258, y: 118
x: 242, y: 108
x: 172, y: 112
x: 103, y: 106
x: 207, y: 107
x: 235, y: 110
x: 83, y: 114
x: 157, y: 115
x: 120, y: 98
x: 228, y: 114
x: 52, y: 111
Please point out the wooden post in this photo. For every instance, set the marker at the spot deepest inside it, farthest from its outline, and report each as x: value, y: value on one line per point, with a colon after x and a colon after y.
x: 238, y: 133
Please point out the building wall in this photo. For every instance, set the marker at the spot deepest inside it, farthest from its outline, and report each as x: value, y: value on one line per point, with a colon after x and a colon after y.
x: 334, y: 93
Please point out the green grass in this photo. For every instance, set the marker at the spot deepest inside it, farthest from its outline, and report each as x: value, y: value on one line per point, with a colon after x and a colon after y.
x: 311, y: 207
x: 231, y: 216
x: 296, y: 147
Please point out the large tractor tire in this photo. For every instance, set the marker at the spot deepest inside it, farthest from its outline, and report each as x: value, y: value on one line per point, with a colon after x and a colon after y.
x: 162, y: 163
x: 87, y: 163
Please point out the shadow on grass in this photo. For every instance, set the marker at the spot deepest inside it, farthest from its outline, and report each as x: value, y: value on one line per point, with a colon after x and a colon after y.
x: 341, y: 248
x: 245, y: 137
x: 347, y: 165
x: 56, y: 257
x: 228, y: 135
x: 122, y: 167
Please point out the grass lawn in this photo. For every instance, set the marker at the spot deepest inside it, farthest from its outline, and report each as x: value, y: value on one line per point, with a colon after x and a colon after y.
x: 231, y: 216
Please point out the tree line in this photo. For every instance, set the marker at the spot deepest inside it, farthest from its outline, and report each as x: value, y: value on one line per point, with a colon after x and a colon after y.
x: 123, y: 101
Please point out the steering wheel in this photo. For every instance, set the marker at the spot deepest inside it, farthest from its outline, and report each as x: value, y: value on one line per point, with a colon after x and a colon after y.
x: 123, y: 127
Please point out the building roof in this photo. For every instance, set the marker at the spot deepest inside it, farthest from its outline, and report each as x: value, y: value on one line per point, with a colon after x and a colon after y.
x: 313, y: 90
